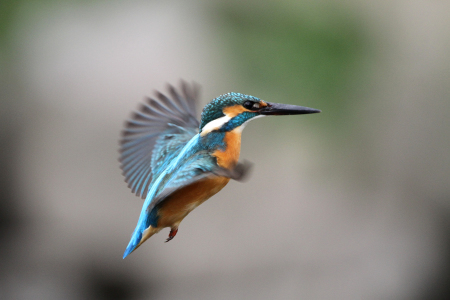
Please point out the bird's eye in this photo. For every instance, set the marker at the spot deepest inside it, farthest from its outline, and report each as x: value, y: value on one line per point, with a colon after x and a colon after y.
x: 248, y: 104
x: 251, y: 105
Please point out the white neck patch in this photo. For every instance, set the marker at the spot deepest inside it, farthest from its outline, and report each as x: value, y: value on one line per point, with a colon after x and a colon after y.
x: 214, y: 124
x: 217, y: 123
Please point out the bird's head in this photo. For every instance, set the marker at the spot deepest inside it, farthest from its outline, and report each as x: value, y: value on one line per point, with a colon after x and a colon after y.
x: 233, y: 110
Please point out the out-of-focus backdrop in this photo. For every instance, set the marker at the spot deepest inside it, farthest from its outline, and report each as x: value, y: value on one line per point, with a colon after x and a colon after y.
x: 352, y: 203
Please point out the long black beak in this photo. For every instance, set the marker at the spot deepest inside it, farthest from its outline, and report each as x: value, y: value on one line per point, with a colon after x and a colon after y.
x: 278, y: 109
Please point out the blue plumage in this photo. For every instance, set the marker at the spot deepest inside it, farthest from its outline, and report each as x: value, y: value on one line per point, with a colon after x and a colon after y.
x: 148, y: 126
x: 175, y: 163
x: 214, y: 109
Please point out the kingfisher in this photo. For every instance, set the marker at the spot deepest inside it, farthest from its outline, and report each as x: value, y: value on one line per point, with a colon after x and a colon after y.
x: 175, y: 163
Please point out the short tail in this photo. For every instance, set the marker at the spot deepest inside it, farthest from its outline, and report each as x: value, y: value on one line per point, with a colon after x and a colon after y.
x: 139, y: 236
x: 133, y: 244
x: 144, y: 229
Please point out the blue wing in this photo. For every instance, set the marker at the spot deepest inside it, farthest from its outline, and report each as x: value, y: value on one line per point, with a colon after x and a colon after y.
x: 154, y: 135
x: 192, y: 169
x: 183, y: 169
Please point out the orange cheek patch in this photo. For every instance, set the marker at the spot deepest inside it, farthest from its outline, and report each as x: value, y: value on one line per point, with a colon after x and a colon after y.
x: 233, y: 111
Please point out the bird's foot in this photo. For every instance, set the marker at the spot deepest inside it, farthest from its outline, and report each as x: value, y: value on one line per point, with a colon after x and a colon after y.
x: 172, y: 234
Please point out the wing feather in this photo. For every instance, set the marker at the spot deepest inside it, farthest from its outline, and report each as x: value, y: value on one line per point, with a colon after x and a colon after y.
x: 198, y: 167
x: 144, y: 146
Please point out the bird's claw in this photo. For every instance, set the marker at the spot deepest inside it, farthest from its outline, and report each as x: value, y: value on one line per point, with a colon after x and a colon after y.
x: 172, y: 234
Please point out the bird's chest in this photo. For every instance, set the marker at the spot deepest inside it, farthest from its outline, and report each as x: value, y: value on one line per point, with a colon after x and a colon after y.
x: 229, y: 156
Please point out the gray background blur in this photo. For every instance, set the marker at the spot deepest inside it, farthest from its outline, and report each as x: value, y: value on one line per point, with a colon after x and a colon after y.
x: 352, y: 203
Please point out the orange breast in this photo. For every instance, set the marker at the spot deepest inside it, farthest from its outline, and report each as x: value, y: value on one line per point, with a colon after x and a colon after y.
x: 180, y: 203
x: 183, y: 201
x: 230, y: 156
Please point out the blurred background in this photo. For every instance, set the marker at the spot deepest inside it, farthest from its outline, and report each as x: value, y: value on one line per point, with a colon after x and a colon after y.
x: 352, y: 203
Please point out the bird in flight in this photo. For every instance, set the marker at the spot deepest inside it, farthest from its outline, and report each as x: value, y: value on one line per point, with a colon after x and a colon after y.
x: 175, y: 163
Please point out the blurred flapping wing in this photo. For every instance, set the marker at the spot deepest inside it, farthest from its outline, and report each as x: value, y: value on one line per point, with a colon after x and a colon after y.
x: 155, y: 133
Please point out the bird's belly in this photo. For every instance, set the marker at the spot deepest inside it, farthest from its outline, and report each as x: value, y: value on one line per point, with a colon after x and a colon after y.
x: 176, y: 206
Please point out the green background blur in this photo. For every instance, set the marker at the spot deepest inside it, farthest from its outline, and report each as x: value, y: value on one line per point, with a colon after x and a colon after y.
x: 352, y: 203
